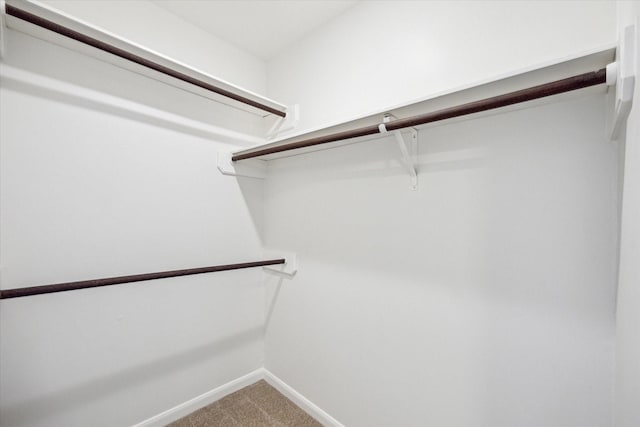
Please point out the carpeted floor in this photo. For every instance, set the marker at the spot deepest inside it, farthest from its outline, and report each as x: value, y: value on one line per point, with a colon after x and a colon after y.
x: 258, y: 405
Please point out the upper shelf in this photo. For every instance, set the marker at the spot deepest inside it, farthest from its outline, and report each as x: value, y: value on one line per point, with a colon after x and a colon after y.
x: 45, y: 22
x: 494, y: 90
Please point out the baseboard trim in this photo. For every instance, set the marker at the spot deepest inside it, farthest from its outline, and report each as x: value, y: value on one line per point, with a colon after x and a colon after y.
x: 201, y: 401
x: 218, y: 393
x: 309, y: 407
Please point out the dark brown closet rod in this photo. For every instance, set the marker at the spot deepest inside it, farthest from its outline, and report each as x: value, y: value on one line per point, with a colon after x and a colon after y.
x: 84, y: 284
x: 83, y: 38
x: 559, y: 86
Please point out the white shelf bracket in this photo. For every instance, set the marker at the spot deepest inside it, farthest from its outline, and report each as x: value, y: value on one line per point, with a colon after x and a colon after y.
x: 622, y: 75
x: 291, y: 120
x: 288, y: 269
x: 408, y: 150
x: 250, y: 168
x: 409, y: 155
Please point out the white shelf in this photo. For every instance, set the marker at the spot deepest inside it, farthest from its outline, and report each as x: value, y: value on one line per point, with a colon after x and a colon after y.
x: 55, y: 16
x: 555, y: 70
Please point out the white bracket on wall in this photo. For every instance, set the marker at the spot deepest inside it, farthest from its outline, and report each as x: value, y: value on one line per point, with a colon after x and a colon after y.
x: 408, y: 149
x: 622, y: 74
x: 250, y: 168
x: 285, y: 124
x: 288, y: 269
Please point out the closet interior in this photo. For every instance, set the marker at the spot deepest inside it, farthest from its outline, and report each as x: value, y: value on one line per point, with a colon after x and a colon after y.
x: 434, y: 221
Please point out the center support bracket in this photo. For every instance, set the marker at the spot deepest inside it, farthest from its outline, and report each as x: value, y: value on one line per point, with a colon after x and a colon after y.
x: 408, y: 149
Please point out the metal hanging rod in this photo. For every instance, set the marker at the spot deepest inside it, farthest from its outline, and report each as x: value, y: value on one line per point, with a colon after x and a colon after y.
x: 553, y: 88
x: 84, y: 284
x: 122, y: 53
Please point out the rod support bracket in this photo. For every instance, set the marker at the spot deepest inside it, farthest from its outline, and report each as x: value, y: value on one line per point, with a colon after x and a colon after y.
x: 287, y: 270
x: 251, y: 168
x: 408, y: 149
x: 284, y: 124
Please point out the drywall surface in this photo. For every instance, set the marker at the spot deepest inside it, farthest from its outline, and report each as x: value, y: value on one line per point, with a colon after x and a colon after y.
x: 383, y: 53
x: 484, y: 298
x: 90, y: 189
x: 153, y: 27
x: 627, y: 396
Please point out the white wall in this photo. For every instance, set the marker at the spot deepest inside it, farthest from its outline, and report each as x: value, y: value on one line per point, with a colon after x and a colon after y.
x: 485, y: 298
x: 627, y: 396
x: 145, y: 23
x: 382, y: 53
x: 90, y: 190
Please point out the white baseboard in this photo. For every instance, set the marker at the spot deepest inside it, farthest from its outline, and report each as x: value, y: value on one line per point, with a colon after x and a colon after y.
x: 218, y: 393
x: 201, y: 401
x: 310, y: 408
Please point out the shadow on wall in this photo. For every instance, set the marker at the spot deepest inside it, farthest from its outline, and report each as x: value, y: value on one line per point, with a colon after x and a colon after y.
x: 272, y: 299
x: 252, y: 191
x: 378, y: 157
x: 34, y: 411
x: 121, y: 91
x: 42, y: 87
x: 515, y: 208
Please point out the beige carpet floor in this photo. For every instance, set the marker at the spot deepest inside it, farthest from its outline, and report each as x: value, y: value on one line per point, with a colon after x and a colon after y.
x: 258, y: 405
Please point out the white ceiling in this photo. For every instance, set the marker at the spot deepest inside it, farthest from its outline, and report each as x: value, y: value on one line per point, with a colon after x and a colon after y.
x: 260, y: 27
